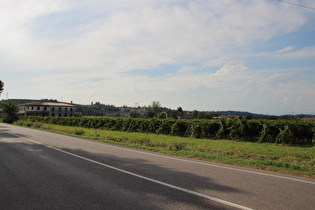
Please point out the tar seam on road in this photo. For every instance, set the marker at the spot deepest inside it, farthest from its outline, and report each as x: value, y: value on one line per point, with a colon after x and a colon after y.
x: 218, y: 200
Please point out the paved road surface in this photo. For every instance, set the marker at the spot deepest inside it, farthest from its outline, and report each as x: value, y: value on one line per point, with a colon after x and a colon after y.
x: 42, y: 170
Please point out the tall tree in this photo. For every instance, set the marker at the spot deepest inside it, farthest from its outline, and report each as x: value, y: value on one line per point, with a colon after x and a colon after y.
x: 1, y: 87
x: 180, y: 109
x: 9, y: 112
x: 154, y: 109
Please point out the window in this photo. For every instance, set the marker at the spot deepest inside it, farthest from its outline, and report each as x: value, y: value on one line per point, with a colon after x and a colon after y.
x: 38, y: 108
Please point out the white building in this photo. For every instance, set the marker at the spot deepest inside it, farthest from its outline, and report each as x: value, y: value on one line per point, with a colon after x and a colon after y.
x: 46, y: 109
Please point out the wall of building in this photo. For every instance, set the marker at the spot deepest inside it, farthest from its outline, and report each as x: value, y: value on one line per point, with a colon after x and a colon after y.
x: 47, y: 111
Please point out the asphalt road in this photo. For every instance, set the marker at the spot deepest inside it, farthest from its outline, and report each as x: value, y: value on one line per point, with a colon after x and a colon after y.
x: 42, y: 170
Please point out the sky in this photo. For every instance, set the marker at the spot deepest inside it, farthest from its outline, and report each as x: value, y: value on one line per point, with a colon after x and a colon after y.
x: 208, y: 55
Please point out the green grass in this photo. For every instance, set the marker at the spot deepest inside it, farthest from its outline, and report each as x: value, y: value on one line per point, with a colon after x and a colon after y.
x: 297, y: 160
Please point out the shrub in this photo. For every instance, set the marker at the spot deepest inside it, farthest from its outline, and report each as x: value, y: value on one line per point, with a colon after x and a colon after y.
x: 10, y: 112
x: 178, y: 146
x: 166, y: 126
x: 180, y: 128
x: 223, y: 130
x: 269, y: 132
x: 79, y: 132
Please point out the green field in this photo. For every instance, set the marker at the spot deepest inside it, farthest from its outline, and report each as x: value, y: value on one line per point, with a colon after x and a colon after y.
x: 297, y: 160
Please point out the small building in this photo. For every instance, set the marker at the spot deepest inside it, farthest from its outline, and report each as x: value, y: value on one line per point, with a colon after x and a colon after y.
x: 46, y: 109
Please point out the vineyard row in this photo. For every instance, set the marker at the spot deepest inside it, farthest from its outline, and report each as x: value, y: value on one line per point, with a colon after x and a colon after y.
x: 291, y: 132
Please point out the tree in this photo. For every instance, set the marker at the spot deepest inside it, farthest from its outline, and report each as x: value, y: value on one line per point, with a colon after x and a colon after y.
x: 195, y: 114
x: 10, y: 112
x: 154, y: 109
x: 134, y: 114
x: 1, y: 87
x: 201, y: 115
x: 180, y: 110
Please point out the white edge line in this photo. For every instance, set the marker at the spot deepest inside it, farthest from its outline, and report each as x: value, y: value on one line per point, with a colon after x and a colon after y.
x: 207, y: 164
x: 218, y: 200
x: 198, y: 162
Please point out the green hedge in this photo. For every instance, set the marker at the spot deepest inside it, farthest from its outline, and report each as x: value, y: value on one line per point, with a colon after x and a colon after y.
x: 275, y: 131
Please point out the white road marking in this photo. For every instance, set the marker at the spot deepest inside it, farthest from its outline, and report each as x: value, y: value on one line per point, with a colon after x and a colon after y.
x: 202, y: 163
x: 218, y: 200
x: 209, y: 164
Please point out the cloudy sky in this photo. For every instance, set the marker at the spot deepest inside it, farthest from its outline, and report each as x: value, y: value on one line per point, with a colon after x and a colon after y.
x: 210, y: 55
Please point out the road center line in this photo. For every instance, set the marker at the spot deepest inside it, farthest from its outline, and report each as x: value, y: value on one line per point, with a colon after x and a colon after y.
x: 218, y: 200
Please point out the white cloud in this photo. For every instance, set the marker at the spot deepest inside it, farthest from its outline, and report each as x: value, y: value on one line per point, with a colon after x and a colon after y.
x: 230, y: 77
x: 216, y: 62
x: 187, y: 69
x: 231, y: 86
x: 61, y: 46
x: 305, y: 53
x: 289, y: 48
x: 138, y: 34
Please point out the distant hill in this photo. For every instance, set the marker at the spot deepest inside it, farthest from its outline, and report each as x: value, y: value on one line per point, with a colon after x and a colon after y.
x: 240, y: 113
x: 99, y: 109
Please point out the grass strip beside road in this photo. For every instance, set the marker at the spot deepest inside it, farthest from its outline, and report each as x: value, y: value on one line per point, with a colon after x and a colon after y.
x: 297, y: 160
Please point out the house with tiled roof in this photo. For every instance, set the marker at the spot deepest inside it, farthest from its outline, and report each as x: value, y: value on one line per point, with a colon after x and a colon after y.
x: 46, y: 109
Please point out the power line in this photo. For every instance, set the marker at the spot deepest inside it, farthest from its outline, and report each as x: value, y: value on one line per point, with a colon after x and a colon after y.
x: 299, y: 5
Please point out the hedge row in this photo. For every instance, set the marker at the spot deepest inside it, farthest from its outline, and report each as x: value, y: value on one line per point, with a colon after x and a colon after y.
x: 275, y: 131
